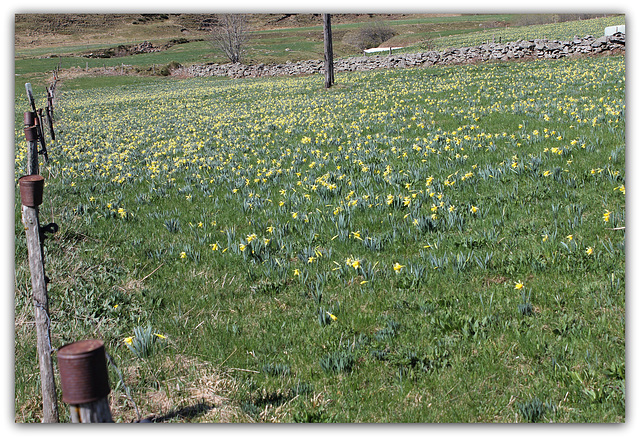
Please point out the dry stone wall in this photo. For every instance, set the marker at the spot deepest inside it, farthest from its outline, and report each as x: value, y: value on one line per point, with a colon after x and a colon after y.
x: 529, y: 49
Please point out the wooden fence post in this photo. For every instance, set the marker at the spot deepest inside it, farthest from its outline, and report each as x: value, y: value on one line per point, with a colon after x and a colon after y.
x: 85, y: 381
x: 31, y: 134
x: 31, y: 188
x: 49, y: 111
x: 37, y: 119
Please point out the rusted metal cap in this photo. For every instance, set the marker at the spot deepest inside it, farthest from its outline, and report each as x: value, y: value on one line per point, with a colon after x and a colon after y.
x: 83, y: 372
x: 31, y: 189
x: 29, y: 118
x: 31, y: 133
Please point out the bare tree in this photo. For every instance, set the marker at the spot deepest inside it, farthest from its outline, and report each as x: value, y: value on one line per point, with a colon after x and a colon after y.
x: 230, y: 35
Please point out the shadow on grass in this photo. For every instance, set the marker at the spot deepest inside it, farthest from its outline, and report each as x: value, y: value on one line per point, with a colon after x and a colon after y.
x: 186, y: 413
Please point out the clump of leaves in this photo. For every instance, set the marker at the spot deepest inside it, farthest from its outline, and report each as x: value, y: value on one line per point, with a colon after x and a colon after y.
x: 525, y: 308
x: 409, y: 362
x: 301, y: 388
x: 534, y: 409
x: 389, y: 331
x: 615, y: 371
x: 145, y: 341
x: 316, y: 416
x: 338, y: 362
x: 327, y: 316
x: 172, y: 225
x: 276, y: 369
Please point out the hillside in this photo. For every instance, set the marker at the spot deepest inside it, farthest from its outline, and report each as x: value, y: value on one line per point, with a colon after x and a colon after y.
x: 51, y: 30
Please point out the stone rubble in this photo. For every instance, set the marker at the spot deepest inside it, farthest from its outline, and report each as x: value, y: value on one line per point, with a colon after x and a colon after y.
x: 523, y: 49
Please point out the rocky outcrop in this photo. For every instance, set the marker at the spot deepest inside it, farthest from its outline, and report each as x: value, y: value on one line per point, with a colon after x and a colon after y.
x: 135, y: 49
x: 524, y: 49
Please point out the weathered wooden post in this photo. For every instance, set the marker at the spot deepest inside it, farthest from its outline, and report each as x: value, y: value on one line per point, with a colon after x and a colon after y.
x: 31, y: 189
x: 49, y: 111
x: 85, y: 381
x: 31, y: 134
x: 328, y: 51
x: 37, y: 119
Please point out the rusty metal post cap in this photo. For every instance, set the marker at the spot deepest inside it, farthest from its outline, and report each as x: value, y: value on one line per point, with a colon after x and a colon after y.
x: 31, y: 189
x: 29, y: 118
x: 83, y: 372
x: 31, y: 133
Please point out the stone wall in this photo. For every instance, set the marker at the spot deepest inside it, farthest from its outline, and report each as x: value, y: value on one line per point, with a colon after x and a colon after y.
x: 531, y: 49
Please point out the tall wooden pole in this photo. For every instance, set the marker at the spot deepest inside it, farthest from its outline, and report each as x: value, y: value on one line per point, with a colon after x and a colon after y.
x: 328, y: 51
x: 30, y: 203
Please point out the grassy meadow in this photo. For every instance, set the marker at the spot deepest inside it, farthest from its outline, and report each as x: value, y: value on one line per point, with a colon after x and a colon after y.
x: 439, y: 245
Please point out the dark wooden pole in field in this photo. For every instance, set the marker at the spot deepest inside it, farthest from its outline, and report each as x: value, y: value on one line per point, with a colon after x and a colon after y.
x: 328, y: 51
x: 85, y: 381
x: 31, y: 195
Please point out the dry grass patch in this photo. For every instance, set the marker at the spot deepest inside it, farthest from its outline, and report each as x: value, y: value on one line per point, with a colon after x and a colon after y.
x: 196, y: 392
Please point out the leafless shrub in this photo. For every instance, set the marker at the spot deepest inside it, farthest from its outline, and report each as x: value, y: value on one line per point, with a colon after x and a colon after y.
x: 230, y: 35
x: 370, y: 35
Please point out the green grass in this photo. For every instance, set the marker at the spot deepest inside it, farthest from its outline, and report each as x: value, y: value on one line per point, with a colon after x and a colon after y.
x: 556, y: 31
x: 237, y: 217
